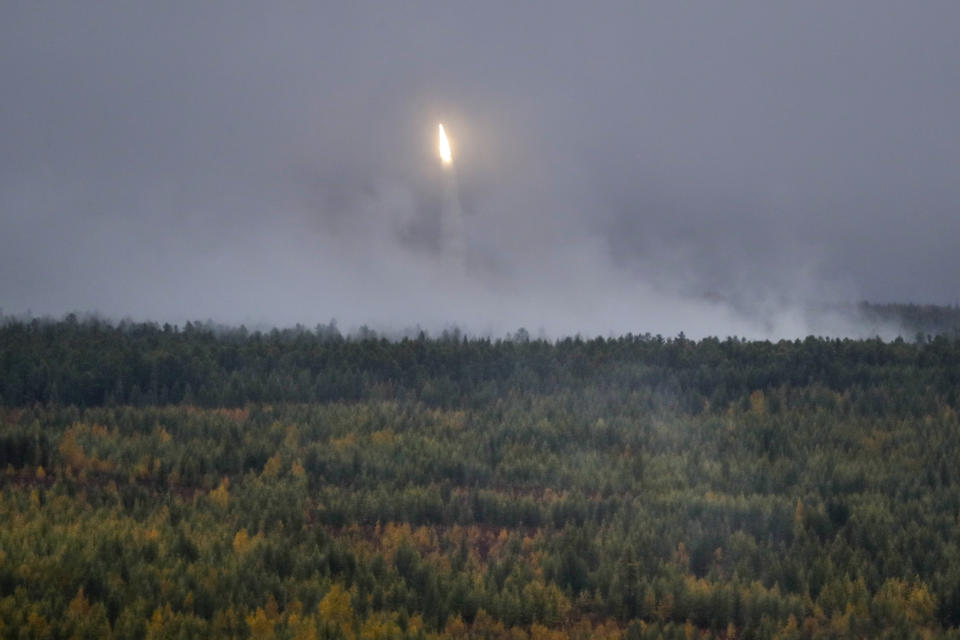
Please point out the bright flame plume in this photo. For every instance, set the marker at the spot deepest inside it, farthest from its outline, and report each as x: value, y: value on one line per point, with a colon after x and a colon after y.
x: 445, y: 156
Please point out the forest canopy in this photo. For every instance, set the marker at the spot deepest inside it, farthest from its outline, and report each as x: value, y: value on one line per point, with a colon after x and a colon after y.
x: 198, y: 481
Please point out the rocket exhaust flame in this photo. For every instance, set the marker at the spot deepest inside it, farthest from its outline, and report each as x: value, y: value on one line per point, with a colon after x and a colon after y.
x: 444, y: 147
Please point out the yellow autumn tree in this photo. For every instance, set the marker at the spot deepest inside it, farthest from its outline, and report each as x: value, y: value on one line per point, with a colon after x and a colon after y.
x: 297, y: 470
x: 273, y: 466
x: 383, y: 626
x: 456, y: 628
x: 37, y: 626
x: 242, y: 542
x: 85, y: 620
x: 921, y: 605
x: 486, y: 626
x: 336, y: 612
x: 221, y: 496
x: 72, y: 451
x: 302, y: 628
x: 540, y: 632
x: 790, y: 631
x: 897, y: 600
x: 261, y: 626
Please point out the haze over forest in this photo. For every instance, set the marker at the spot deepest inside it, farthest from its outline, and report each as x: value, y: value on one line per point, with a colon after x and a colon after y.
x: 716, y: 169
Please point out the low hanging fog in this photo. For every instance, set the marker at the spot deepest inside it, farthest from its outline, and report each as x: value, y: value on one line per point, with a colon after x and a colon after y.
x: 712, y: 168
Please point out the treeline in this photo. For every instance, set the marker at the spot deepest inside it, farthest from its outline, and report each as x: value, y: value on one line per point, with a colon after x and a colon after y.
x: 915, y: 320
x: 94, y: 363
x: 634, y: 488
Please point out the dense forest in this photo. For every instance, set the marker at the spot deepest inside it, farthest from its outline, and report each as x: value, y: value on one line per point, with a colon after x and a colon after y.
x: 195, y: 481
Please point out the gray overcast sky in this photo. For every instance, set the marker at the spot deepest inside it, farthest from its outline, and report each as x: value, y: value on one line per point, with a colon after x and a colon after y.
x: 276, y: 162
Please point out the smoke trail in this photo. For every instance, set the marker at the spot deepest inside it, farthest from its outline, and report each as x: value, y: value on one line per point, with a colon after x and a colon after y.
x: 453, y: 244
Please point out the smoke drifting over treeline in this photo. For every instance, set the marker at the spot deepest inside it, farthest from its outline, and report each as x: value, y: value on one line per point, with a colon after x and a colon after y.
x: 716, y: 170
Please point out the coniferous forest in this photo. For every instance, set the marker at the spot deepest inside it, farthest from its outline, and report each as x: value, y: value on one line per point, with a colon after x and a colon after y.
x: 196, y: 481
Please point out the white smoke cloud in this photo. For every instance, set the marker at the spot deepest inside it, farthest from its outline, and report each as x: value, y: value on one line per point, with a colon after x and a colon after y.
x: 185, y: 161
